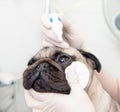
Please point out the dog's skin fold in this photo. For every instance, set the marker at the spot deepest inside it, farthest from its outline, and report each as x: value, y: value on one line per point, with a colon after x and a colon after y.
x: 46, y: 73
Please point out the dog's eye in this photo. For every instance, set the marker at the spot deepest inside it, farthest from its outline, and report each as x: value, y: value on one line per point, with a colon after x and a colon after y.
x: 63, y: 59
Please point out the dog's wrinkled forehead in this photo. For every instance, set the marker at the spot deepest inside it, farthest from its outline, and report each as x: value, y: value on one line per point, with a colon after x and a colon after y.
x: 79, y: 55
x: 50, y: 51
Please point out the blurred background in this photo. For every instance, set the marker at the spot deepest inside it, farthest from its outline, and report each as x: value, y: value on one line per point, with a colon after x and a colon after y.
x: 20, y: 37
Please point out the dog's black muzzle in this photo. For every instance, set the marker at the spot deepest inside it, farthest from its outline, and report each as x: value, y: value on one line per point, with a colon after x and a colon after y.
x: 45, y: 75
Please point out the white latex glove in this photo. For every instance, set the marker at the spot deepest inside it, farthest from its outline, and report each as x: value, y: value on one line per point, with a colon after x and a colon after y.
x: 76, y: 101
x: 70, y: 34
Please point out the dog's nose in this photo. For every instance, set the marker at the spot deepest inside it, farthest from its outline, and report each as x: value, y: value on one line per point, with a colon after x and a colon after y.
x: 43, y: 66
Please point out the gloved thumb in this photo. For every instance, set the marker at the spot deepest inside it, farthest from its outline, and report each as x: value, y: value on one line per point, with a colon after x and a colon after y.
x: 45, y: 21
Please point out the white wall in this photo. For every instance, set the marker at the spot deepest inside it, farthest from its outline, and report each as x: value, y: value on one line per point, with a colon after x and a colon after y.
x: 20, y: 36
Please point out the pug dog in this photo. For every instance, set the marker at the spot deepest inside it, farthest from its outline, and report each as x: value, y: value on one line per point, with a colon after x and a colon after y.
x: 46, y: 73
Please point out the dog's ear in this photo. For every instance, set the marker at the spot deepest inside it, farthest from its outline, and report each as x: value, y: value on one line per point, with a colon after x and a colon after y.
x: 92, y: 59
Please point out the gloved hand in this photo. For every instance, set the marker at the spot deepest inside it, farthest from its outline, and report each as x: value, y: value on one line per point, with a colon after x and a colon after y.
x: 76, y: 101
x: 70, y: 34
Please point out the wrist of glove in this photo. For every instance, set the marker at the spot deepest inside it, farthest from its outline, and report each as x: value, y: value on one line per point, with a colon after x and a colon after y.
x: 76, y: 101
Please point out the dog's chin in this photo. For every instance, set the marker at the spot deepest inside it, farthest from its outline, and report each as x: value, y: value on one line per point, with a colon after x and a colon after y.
x: 52, y: 87
x: 50, y: 80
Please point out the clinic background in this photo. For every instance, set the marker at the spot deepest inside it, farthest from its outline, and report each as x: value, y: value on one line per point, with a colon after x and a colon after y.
x: 20, y: 35
x: 20, y: 39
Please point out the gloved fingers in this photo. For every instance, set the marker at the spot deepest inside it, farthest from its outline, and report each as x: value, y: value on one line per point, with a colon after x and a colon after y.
x: 73, y: 35
x: 38, y: 101
x: 46, y: 27
x: 48, y: 33
x: 49, y: 107
x: 39, y: 96
x: 68, y: 36
x: 74, y: 40
x: 49, y: 43
x: 45, y: 106
x: 66, y: 23
x: 31, y: 102
x: 36, y: 110
x: 43, y: 97
x: 45, y: 21
x: 70, y: 32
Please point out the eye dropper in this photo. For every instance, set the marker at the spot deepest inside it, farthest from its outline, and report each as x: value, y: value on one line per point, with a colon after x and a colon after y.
x: 55, y: 21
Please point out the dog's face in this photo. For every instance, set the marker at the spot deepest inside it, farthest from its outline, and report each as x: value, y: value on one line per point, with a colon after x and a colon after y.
x: 46, y: 70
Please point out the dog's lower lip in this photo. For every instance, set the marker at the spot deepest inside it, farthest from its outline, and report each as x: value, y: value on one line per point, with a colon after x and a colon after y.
x: 30, y: 80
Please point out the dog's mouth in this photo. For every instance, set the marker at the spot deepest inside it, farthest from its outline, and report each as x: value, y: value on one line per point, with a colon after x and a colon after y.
x: 46, y: 75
